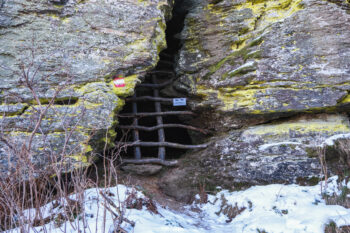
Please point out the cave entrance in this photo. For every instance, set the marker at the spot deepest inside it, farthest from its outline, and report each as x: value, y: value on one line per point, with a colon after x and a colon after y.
x: 151, y: 125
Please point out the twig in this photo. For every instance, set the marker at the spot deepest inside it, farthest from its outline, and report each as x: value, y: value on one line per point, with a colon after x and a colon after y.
x: 110, y: 202
x: 150, y: 98
x: 166, y: 163
x: 146, y: 114
x: 167, y: 72
x: 167, y: 144
x: 160, y: 85
x: 144, y: 128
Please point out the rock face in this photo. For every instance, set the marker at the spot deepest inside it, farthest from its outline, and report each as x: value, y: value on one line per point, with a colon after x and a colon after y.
x: 266, y: 58
x: 283, y: 152
x: 76, y: 46
x: 247, y: 62
x: 143, y: 169
x: 269, y: 78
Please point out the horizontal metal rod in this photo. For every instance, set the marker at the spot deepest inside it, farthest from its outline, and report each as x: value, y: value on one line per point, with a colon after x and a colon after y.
x: 160, y: 85
x: 147, y: 114
x: 167, y: 163
x: 149, y: 98
x: 165, y: 55
x: 168, y: 72
x: 167, y: 144
x: 144, y: 128
x: 166, y: 62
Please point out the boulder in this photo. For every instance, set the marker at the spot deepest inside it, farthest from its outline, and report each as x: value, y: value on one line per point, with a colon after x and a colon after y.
x: 63, y: 55
x: 286, y: 151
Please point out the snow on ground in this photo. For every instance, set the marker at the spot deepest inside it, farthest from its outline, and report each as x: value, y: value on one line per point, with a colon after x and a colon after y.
x: 331, y: 140
x: 270, y: 208
x: 267, y: 146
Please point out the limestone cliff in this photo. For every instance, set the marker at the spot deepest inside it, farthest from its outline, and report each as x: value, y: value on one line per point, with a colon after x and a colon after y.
x: 81, y: 45
x: 249, y: 63
x: 266, y: 57
x: 268, y: 78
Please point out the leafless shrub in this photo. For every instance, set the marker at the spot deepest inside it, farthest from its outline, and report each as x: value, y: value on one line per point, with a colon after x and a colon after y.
x: 340, y: 151
x: 229, y: 210
x: 322, y: 159
x: 28, y: 185
x: 343, y: 147
x: 134, y: 202
x: 203, y: 196
x: 332, y: 228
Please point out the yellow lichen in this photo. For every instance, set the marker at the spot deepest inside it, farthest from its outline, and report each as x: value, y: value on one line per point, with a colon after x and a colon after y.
x: 325, y: 124
x: 64, y: 20
x: 237, y: 99
x: 265, y: 12
x: 139, y: 45
x: 269, y: 11
x: 79, y: 158
x: 205, y: 92
x: 346, y: 100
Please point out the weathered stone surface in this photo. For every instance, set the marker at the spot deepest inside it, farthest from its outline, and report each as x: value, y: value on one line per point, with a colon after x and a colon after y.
x: 79, y: 44
x: 266, y: 58
x: 247, y: 62
x: 280, y: 152
x: 142, y: 170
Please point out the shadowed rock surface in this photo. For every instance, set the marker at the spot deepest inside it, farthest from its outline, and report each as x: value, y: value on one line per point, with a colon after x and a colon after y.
x: 282, y: 152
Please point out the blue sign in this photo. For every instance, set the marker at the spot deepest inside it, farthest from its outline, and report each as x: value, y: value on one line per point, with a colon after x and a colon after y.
x: 179, y: 102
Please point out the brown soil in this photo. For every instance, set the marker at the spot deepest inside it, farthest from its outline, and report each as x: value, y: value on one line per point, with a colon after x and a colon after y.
x: 149, y: 187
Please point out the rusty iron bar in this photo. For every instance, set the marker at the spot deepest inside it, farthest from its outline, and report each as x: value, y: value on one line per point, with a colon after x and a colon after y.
x: 148, y: 114
x: 166, y: 55
x: 166, y: 62
x: 144, y: 128
x: 136, y: 136
x: 159, y: 118
x: 167, y: 163
x: 166, y: 144
x: 160, y: 85
x: 149, y: 98
x: 166, y: 72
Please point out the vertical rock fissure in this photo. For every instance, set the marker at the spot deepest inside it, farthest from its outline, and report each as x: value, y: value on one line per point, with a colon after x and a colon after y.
x: 161, y: 135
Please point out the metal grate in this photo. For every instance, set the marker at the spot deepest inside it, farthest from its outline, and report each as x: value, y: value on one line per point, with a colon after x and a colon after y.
x: 137, y: 143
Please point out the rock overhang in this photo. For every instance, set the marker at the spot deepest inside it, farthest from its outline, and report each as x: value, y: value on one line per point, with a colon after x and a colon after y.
x: 266, y: 57
x: 271, y: 80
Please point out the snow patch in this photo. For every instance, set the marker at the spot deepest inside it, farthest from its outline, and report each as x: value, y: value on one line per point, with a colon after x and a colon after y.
x: 266, y: 146
x: 246, y: 65
x: 330, y: 141
x: 272, y: 208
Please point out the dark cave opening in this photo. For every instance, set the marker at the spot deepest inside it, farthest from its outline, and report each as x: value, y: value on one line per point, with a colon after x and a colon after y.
x: 176, y: 135
x: 174, y: 27
x: 166, y: 63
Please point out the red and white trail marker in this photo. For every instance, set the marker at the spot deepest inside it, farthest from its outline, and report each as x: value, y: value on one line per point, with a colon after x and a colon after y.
x: 119, y: 82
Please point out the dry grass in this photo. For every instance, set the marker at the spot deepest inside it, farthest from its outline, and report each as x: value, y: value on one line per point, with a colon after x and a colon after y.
x: 341, y: 151
x: 332, y: 228
x: 231, y: 211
